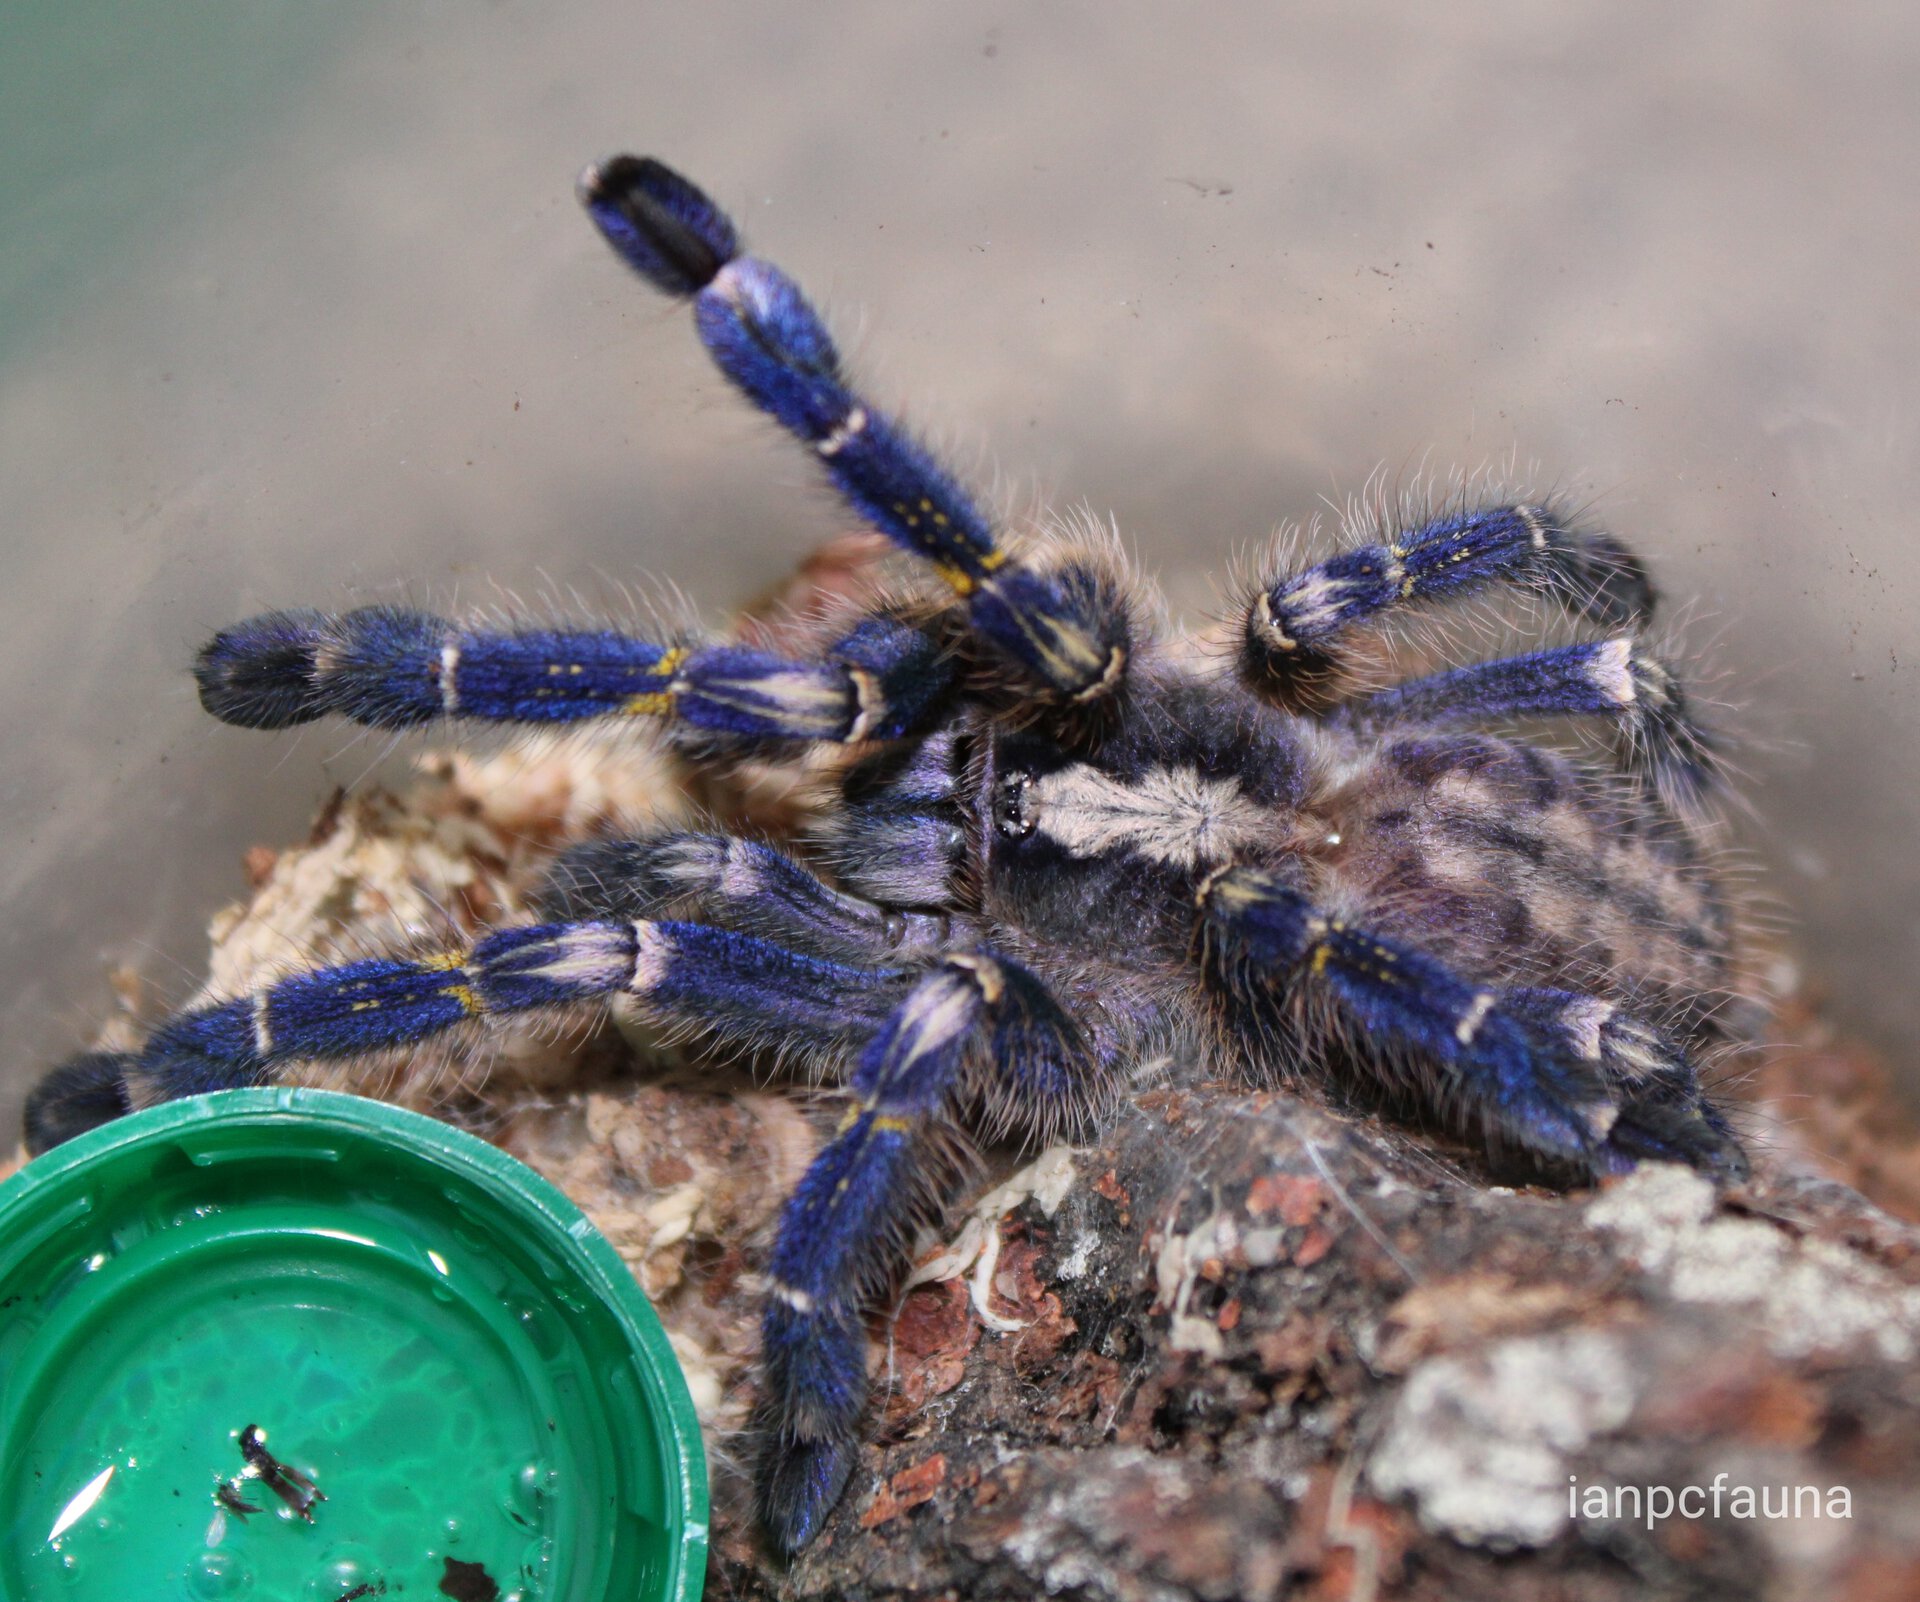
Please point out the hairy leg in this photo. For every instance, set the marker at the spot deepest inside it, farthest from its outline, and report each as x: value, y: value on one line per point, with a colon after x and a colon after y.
x: 1664, y: 1114
x: 1065, y: 635
x: 736, y: 884
x: 391, y: 667
x: 1483, y: 1057
x: 842, y: 1233
x: 1618, y: 679
x: 1296, y: 628
x: 743, y: 990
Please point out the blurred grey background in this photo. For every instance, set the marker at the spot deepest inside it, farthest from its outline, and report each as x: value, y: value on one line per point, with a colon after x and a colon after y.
x: 296, y: 306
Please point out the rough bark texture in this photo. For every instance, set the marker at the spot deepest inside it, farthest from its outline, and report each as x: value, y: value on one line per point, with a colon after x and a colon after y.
x: 1246, y: 1348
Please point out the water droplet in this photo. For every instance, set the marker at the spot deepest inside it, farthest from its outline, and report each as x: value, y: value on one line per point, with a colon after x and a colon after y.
x: 536, y: 1558
x: 527, y: 1487
x: 219, y: 1577
x: 344, y: 1567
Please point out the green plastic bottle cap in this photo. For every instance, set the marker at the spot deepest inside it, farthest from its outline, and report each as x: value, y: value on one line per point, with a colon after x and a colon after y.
x: 420, y: 1329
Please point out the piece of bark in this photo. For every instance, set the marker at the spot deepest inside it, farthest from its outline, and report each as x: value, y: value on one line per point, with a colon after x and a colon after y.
x: 1259, y: 1350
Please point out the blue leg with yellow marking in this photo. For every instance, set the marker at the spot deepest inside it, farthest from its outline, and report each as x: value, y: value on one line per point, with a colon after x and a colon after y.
x: 1065, y: 635
x: 1478, y: 1062
x: 1618, y: 679
x: 391, y: 668
x: 842, y: 1232
x: 1293, y: 628
x: 744, y: 991
x: 736, y: 884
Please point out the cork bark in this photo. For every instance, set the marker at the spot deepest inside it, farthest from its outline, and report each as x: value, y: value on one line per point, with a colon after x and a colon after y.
x: 1246, y: 1347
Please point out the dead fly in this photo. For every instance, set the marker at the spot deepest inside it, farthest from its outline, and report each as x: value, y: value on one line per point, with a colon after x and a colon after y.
x: 285, y: 1481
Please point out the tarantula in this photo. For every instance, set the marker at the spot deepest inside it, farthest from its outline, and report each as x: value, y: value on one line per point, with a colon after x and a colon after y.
x: 1057, y: 839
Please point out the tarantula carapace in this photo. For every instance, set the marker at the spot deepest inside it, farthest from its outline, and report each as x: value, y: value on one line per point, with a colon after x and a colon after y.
x: 1057, y: 842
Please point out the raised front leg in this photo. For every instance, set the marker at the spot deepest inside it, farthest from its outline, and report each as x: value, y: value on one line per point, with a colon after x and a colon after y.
x: 1063, y: 635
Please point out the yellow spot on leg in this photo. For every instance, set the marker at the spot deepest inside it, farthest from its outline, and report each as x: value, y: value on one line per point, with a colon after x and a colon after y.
x: 962, y: 583
x: 657, y: 703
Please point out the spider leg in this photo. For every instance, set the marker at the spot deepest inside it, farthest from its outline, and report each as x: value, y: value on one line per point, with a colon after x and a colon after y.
x: 1477, y: 1059
x: 81, y: 1094
x: 842, y: 1232
x: 737, y: 884
x: 740, y: 989
x: 897, y: 845
x: 1619, y: 679
x: 900, y: 835
x: 1294, y: 627
x: 1065, y: 634
x: 1664, y: 1113
x: 392, y: 667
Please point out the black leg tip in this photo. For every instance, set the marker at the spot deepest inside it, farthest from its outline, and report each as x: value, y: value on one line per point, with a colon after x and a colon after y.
x: 81, y: 1094
x: 260, y: 674
x: 1305, y: 679
x: 1605, y: 580
x: 800, y: 1482
x: 1694, y: 1133
x: 662, y: 226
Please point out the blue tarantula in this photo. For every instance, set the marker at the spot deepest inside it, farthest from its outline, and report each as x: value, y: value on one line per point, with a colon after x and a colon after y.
x: 1056, y: 841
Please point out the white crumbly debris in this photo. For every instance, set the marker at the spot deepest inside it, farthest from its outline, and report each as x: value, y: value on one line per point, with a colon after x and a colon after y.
x: 452, y: 848
x: 380, y: 864
x: 1177, y: 1267
x: 671, y: 1217
x: 1481, y: 1441
x: 706, y: 1384
x: 975, y: 1251
x: 1076, y: 1263
x: 1163, y: 1486
x: 1807, y: 1295
x: 428, y: 866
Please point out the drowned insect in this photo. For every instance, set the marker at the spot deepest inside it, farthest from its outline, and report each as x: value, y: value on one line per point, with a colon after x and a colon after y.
x: 286, y: 1482
x: 1057, y: 839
